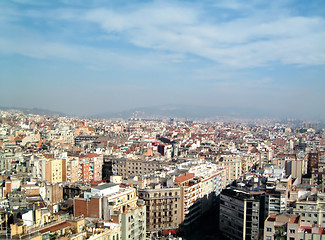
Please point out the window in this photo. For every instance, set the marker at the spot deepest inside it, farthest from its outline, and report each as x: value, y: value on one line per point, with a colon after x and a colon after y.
x: 292, y: 230
x: 268, y: 229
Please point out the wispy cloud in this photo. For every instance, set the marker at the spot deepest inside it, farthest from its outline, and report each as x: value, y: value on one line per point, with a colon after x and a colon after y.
x: 251, y: 41
x: 239, y: 42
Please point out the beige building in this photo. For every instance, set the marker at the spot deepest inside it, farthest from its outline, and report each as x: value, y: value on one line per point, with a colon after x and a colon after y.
x: 56, y: 170
x: 281, y: 226
x: 129, y: 167
x: 311, y: 209
x: 110, y: 201
x: 296, y: 168
x: 163, y: 207
x: 233, y: 166
x: 199, y: 188
x: 72, y: 169
x: 285, y: 226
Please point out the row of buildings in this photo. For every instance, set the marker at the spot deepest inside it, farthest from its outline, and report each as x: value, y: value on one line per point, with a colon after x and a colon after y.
x: 142, y: 179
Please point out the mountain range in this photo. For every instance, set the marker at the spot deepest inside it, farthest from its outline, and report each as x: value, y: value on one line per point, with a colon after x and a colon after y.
x: 183, y: 111
x: 190, y: 112
x: 36, y: 111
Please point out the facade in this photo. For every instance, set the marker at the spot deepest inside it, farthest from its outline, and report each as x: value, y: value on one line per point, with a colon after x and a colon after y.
x: 163, y: 207
x: 281, y: 226
x: 277, y: 194
x: 311, y: 209
x: 133, y: 223
x: 84, y: 171
x: 128, y: 167
x: 111, y: 201
x: 233, y: 166
x: 55, y: 171
x: 199, y: 190
x: 72, y: 169
x: 240, y: 213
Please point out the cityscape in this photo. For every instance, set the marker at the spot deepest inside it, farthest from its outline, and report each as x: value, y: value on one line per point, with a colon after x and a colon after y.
x: 160, y: 119
x: 73, y: 178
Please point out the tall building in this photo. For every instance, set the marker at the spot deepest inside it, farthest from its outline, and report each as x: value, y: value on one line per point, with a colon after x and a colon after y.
x: 163, y: 207
x: 72, y: 169
x: 233, y: 166
x: 277, y: 194
x: 55, y: 171
x: 241, y: 214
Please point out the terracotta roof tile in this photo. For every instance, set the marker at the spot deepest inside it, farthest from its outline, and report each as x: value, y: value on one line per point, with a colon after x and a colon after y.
x: 183, y: 178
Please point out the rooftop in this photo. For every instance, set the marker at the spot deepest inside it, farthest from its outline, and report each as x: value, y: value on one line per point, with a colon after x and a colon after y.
x: 104, y: 186
x: 183, y: 178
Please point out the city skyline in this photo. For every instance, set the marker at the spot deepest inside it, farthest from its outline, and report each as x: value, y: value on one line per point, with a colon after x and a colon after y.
x: 87, y: 58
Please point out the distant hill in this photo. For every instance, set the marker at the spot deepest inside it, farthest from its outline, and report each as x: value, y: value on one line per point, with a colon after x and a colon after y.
x: 184, y: 111
x: 36, y: 111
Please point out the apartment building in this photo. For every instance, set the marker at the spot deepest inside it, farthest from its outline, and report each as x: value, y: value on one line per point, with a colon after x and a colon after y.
x: 290, y: 226
x: 108, y: 201
x: 55, y: 170
x: 163, y: 207
x: 52, y: 195
x: 129, y: 167
x: 240, y: 213
x: 277, y: 194
x: 133, y: 222
x: 199, y: 188
x: 311, y: 209
x: 72, y: 169
x: 282, y: 226
x: 233, y: 165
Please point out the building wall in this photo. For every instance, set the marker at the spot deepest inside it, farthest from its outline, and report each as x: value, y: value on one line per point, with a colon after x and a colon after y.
x: 55, y: 170
x: 232, y: 216
x: 80, y: 207
x: 133, y: 223
x: 163, y: 208
x: 128, y: 167
x: 72, y: 170
x: 85, y: 172
x: 311, y: 212
x: 94, y: 208
x: 240, y: 214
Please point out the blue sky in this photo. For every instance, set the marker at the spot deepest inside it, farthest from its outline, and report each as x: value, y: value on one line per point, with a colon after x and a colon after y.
x: 86, y: 57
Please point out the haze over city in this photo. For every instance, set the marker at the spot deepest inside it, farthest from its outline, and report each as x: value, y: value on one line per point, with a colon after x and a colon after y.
x: 83, y: 57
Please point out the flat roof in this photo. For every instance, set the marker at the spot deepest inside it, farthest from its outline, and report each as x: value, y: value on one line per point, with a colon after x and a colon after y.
x: 104, y: 186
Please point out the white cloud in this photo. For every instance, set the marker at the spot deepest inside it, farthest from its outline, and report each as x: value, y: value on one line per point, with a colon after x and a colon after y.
x: 257, y: 38
x: 243, y: 42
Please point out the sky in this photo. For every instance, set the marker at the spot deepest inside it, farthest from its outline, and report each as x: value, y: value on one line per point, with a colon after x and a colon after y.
x: 88, y: 57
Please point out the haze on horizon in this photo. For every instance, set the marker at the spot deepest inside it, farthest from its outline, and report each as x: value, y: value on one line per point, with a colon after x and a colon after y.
x: 83, y: 57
